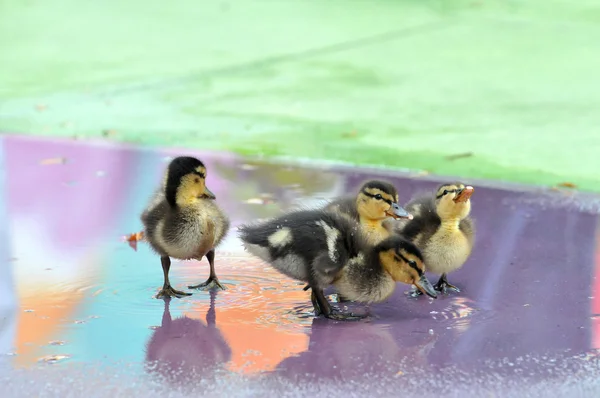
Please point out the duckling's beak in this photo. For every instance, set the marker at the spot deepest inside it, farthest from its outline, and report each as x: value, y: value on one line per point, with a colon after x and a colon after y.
x: 398, y: 212
x: 425, y: 286
x: 464, y: 194
x: 208, y: 193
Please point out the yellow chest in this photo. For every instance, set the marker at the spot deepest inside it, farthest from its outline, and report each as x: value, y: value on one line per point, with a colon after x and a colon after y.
x: 447, y: 250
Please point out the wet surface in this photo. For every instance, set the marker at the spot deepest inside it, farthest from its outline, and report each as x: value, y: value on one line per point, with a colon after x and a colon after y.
x: 529, y: 307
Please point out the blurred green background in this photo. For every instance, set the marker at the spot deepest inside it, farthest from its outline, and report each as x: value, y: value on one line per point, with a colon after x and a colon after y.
x: 504, y: 90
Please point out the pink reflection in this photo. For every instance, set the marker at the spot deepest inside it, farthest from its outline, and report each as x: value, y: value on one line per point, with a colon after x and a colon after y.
x: 75, y: 201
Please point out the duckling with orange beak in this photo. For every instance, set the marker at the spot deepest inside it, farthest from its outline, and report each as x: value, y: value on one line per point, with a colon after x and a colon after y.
x: 443, y: 229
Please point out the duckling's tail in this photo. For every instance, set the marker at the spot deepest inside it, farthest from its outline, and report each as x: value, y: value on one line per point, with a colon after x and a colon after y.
x: 255, y: 239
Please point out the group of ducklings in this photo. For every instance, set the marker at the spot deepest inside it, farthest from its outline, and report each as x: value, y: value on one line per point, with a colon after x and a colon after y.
x: 361, y: 245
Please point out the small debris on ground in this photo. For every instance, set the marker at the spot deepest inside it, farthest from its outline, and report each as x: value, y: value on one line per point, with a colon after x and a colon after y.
x: 51, y: 161
x: 459, y: 156
x: 350, y: 134
x: 53, y: 358
x: 41, y: 107
x: 567, y: 185
x: 108, y: 133
x: 263, y: 199
x: 421, y: 173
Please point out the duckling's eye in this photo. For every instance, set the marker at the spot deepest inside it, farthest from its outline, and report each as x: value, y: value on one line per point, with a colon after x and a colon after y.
x: 445, y: 192
x: 412, y: 263
x: 196, y: 180
x: 378, y: 197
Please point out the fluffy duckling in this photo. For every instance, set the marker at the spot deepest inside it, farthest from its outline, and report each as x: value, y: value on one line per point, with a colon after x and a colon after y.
x: 184, y: 222
x: 324, y: 248
x: 442, y: 229
x: 375, y: 202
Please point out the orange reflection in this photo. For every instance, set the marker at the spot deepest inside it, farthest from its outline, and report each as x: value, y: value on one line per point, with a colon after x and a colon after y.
x: 259, y: 346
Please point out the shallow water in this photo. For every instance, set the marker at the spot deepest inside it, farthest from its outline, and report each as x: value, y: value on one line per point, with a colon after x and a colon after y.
x: 78, y: 300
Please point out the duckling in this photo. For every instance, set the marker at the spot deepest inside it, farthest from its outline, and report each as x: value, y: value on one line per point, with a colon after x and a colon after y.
x: 324, y: 248
x: 375, y: 202
x: 183, y: 221
x: 442, y: 229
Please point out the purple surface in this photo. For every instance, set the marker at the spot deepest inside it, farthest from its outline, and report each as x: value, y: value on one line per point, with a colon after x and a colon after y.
x: 527, y: 311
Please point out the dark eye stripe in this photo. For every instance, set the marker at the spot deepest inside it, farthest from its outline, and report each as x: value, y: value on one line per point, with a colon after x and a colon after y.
x: 411, y: 265
x: 200, y: 174
x: 389, y: 202
x: 447, y: 191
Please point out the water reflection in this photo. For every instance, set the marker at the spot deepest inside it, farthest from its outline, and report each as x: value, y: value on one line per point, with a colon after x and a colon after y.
x: 526, y: 289
x: 183, y: 349
x: 348, y: 352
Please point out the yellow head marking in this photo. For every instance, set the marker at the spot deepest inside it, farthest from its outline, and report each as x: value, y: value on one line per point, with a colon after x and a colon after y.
x: 190, y: 189
x: 201, y: 170
x: 402, y: 266
x: 373, y: 203
x: 447, y: 208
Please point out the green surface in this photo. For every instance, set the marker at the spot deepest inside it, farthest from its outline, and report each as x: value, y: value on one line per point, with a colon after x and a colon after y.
x: 398, y: 83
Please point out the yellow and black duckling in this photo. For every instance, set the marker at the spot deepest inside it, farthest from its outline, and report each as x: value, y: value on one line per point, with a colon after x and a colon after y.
x: 375, y: 202
x: 324, y: 248
x: 184, y: 222
x: 442, y: 228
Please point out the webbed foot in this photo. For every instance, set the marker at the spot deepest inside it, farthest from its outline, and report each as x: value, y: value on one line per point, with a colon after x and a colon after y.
x: 211, y: 283
x: 415, y: 292
x: 332, y: 312
x: 443, y: 286
x: 338, y: 315
x: 168, y: 292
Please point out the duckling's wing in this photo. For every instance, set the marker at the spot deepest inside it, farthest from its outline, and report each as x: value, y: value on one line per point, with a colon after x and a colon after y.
x: 467, y: 227
x: 425, y: 219
x: 158, y: 198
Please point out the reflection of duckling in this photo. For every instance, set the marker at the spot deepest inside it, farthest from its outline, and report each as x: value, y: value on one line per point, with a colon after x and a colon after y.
x: 375, y: 202
x: 184, y: 222
x: 185, y: 347
x: 442, y: 229
x: 347, y: 353
x: 324, y: 248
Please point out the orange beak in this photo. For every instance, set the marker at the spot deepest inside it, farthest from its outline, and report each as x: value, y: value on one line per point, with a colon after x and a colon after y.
x: 464, y: 195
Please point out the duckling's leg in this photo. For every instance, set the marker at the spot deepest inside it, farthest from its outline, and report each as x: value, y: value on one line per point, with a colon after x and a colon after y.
x: 212, y: 282
x: 341, y: 299
x: 442, y: 285
x: 322, y: 307
x: 167, y: 290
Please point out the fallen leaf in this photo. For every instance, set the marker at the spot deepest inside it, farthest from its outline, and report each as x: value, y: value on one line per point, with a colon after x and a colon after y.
x: 50, y: 161
x: 567, y: 185
x: 134, y: 238
x: 459, y: 156
x: 109, y: 132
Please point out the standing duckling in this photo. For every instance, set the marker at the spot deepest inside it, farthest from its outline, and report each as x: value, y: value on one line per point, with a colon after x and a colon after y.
x: 375, y: 202
x: 442, y: 229
x: 184, y: 222
x: 325, y: 248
